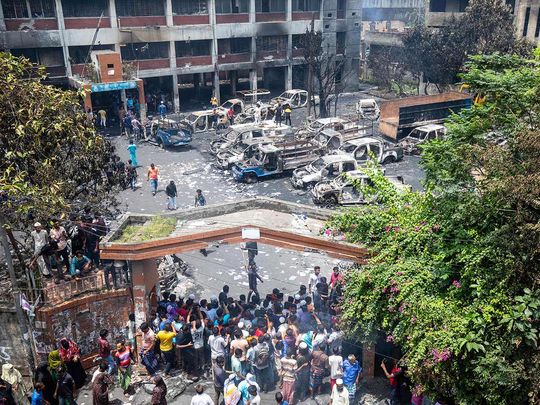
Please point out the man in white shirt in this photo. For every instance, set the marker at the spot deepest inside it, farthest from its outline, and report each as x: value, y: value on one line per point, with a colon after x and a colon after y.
x: 217, y: 344
x: 254, y: 398
x: 41, y: 238
x: 336, y: 367
x: 340, y: 395
x: 201, y: 398
x: 314, y: 279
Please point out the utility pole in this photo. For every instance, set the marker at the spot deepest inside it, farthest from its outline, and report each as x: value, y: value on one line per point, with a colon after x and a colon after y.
x: 310, y: 67
x: 27, y: 339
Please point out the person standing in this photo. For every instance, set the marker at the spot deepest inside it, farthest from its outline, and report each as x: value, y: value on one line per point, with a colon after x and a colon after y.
x: 37, y: 395
x: 340, y: 395
x: 230, y: 116
x: 152, y: 175
x: 261, y: 364
x: 124, y: 357
x: 336, y: 367
x: 162, y: 109
x: 159, y: 393
x: 132, y: 148
x: 314, y: 279
x: 59, y: 235
x: 278, y: 114
x: 171, y: 195
x: 395, y: 376
x: 70, y: 355
x: 41, y: 238
x: 217, y: 345
x: 201, y: 397
x: 12, y: 376
x: 100, y: 389
x: 166, y: 346
x: 319, y: 365
x: 102, y: 118
x: 131, y: 171
x: 104, y: 350
x: 213, y: 102
x: 288, y: 112
x: 288, y: 373
x: 66, y: 390
x: 351, y: 375
x: 200, y: 200
x: 220, y: 376
x: 257, y: 113
x: 148, y: 358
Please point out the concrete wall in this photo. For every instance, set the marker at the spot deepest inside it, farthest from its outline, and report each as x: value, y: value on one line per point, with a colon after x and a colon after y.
x: 81, y: 320
x: 11, y: 343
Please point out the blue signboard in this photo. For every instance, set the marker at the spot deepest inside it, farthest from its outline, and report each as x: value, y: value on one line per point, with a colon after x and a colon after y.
x: 96, y: 88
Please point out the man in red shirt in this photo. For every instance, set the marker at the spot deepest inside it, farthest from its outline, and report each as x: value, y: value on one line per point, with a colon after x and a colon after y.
x: 104, y: 348
x: 395, y: 377
x: 336, y: 277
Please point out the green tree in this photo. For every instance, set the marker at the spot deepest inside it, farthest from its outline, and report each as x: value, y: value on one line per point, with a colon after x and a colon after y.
x: 454, y: 275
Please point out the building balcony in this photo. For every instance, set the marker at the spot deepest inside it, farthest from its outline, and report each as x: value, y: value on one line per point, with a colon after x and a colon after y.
x: 268, y: 17
x: 298, y: 53
x: 75, y: 23
x: 18, y: 24
x: 191, y: 19
x: 232, y: 18
x: 234, y: 58
x: 142, y: 21
x: 187, y: 61
x: 271, y: 55
x: 386, y: 38
x: 305, y: 15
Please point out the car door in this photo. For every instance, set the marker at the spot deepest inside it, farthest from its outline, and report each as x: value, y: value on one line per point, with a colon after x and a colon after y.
x: 295, y: 101
x: 361, y: 154
x: 350, y: 195
x: 347, y: 167
x: 377, y: 149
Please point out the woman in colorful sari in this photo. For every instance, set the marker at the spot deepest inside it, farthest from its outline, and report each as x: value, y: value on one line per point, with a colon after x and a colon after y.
x: 71, y: 357
x: 11, y: 375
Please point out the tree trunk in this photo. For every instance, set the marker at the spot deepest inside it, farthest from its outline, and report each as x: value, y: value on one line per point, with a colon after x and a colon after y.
x: 21, y: 317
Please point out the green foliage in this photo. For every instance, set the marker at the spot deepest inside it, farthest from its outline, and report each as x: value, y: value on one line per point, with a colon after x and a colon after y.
x: 453, y: 279
x: 157, y: 227
x: 52, y: 161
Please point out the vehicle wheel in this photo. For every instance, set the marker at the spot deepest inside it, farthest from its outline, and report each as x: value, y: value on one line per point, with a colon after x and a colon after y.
x: 389, y: 159
x: 330, y: 202
x: 251, y: 178
x: 160, y: 144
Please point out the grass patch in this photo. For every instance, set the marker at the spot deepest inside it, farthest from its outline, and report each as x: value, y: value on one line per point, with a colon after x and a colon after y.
x: 157, y: 227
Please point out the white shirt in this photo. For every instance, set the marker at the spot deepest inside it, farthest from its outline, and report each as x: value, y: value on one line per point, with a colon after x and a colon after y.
x: 336, y: 366
x: 313, y: 281
x: 256, y: 400
x: 217, y: 346
x: 339, y: 398
x: 202, y: 399
x: 40, y: 238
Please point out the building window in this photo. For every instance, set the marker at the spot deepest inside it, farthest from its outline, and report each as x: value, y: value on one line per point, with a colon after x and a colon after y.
x: 298, y: 41
x: 341, y: 5
x: 340, y: 42
x: 190, y: 7
x: 76, y: 8
x: 28, y: 8
x: 145, y: 50
x: 512, y: 4
x: 79, y: 54
x: 306, y: 5
x: 537, y: 30
x: 193, y: 48
x: 272, y: 43
x: 234, y: 45
x: 437, y: 6
x: 526, y: 24
x: 49, y: 57
x: 129, y: 8
x: 270, y: 6
x: 232, y: 6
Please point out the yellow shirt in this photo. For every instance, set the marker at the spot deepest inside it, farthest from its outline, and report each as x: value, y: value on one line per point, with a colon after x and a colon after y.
x: 165, y: 340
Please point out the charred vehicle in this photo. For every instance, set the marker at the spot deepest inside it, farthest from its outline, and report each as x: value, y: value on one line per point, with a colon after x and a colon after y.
x: 324, y: 168
x: 361, y: 149
x: 167, y: 133
x: 421, y: 135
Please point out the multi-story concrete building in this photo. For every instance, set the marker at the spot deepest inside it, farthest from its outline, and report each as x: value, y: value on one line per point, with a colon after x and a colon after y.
x: 180, y: 47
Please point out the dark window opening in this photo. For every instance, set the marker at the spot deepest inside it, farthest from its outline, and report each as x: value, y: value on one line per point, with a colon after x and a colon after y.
x: 526, y: 24
x: 272, y: 43
x: 129, y: 8
x: 148, y: 50
x: 341, y: 5
x: 42, y: 8
x: 306, y: 5
x: 437, y: 6
x: 50, y: 57
x: 76, y: 8
x: 232, y: 6
x: 190, y: 7
x: 340, y: 42
x: 512, y: 4
x: 298, y: 41
x: 15, y: 8
x: 79, y: 54
x: 234, y: 45
x: 270, y: 6
x: 193, y: 48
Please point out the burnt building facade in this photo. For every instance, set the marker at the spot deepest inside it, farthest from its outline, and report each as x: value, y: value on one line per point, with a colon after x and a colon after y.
x: 184, y: 49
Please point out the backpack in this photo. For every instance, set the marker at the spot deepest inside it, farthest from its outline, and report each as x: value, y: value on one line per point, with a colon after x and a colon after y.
x: 263, y: 355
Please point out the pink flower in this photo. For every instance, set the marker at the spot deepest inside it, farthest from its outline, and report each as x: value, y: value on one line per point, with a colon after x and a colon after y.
x: 399, y: 273
x: 394, y: 289
x: 387, y: 228
x: 396, y: 228
x: 389, y: 338
x: 456, y: 284
x: 441, y: 356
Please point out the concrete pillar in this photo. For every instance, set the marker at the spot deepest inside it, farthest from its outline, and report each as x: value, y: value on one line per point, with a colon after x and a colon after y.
x: 216, y: 84
x: 233, y: 78
x: 2, y: 26
x: 169, y: 13
x: 288, y: 8
x: 145, y: 279
x: 252, y: 11
x: 253, y: 81
x: 288, y: 77
x: 62, y: 31
x: 172, y: 64
x: 368, y: 361
x: 532, y: 23
x: 212, y: 15
x: 142, y: 98
x: 112, y: 14
x: 123, y: 98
